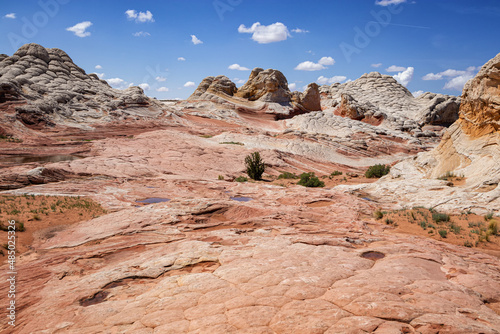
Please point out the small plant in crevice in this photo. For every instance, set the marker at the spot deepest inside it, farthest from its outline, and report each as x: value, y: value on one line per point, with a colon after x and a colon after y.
x: 378, y: 214
x: 377, y: 171
x: 255, y: 166
x: 310, y: 180
x: 241, y: 179
x: 220, y: 177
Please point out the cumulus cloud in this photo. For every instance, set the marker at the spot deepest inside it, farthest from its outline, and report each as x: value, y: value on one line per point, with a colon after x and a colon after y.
x: 140, y: 17
x: 405, y: 77
x: 394, y: 68
x: 300, y: 31
x: 456, y: 78
x: 458, y: 83
x: 309, y: 66
x: 141, y: 34
x: 312, y: 66
x: 275, y: 32
x: 389, y: 2
x: 162, y: 89
x: 292, y: 86
x: 79, y: 29
x: 189, y: 84
x: 324, y: 80
x: 118, y: 83
x: 326, y: 61
x: 195, y: 40
x: 160, y: 79
x: 181, y: 59
x: 418, y: 93
x: 144, y: 86
x: 237, y: 67
x: 98, y: 67
x: 10, y: 16
x: 377, y: 65
x: 238, y: 81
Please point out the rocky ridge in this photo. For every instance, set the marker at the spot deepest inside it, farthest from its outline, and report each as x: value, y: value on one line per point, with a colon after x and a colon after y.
x: 43, y: 87
x: 468, y: 149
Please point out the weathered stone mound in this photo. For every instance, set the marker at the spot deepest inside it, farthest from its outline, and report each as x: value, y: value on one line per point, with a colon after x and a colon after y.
x: 381, y: 96
x: 480, y: 111
x: 213, y: 86
x: 47, y: 88
x: 267, y: 86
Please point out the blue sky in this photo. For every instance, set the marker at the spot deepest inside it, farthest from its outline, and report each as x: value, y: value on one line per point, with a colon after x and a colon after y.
x: 428, y: 45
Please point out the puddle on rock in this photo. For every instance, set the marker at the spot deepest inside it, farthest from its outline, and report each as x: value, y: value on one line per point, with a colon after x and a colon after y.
x: 373, y: 255
x: 242, y: 198
x: 153, y: 200
x: 25, y: 159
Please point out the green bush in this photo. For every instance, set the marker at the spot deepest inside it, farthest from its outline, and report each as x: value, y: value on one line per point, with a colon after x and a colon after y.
x: 377, y: 171
x: 288, y: 175
x: 255, y: 166
x: 488, y: 216
x: 440, y: 217
x: 378, y: 214
x: 335, y: 173
x: 221, y: 177
x: 310, y: 180
x: 241, y: 179
x: 443, y: 233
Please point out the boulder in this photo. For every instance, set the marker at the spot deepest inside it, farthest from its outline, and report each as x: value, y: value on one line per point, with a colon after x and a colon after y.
x: 267, y: 86
x: 219, y: 85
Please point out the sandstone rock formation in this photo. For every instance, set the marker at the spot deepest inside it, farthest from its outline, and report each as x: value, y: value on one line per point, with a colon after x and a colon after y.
x: 44, y: 87
x: 382, y: 96
x: 267, y: 86
x: 213, y: 86
x: 469, y: 149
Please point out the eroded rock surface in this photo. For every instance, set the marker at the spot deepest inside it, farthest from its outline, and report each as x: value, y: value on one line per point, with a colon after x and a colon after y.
x: 42, y: 87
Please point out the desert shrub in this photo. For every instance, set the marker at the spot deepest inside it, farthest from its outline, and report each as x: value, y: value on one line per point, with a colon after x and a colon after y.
x: 468, y: 244
x: 255, y: 166
x: 440, y: 217
x: 446, y: 176
x: 493, y: 227
x: 310, y: 180
x: 288, y: 175
x: 488, y: 216
x: 389, y: 221
x: 221, y: 177
x: 232, y: 143
x: 20, y: 227
x: 378, y: 214
x: 377, y: 171
x: 241, y: 179
x: 335, y: 173
x: 455, y: 228
x: 443, y: 233
x: 423, y: 224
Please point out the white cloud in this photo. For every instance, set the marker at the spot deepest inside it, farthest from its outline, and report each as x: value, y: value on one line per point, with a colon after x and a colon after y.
x: 181, y: 59
x: 300, y: 31
x: 195, y: 40
x: 162, y: 89
x: 189, y: 84
x: 139, y: 16
x: 144, y: 86
x: 160, y: 79
x: 394, y: 68
x: 275, y: 32
x: 98, y: 67
x: 405, y: 77
x: 324, y: 80
x: 10, y: 16
x: 418, y: 93
x: 456, y: 78
x: 118, y: 83
x: 389, y: 2
x: 141, y: 34
x: 79, y: 29
x: 100, y: 75
x: 309, y: 66
x: 238, y: 67
x: 377, y: 65
x: 326, y: 61
x: 312, y: 66
x: 292, y: 86
x: 238, y: 81
x: 458, y: 83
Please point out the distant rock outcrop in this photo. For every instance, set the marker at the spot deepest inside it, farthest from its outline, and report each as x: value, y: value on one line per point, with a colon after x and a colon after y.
x: 213, y: 86
x: 381, y: 96
x: 267, y: 86
x: 45, y: 87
